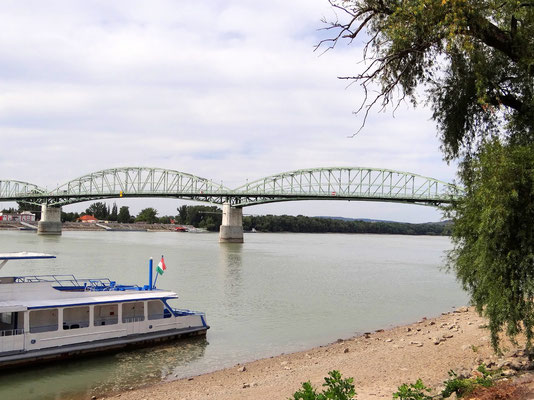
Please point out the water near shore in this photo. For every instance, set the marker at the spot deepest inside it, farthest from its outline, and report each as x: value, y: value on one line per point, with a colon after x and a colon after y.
x: 275, y: 293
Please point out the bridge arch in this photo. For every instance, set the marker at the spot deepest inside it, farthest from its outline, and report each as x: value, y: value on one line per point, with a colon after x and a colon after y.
x: 136, y: 182
x: 12, y: 190
x: 345, y: 183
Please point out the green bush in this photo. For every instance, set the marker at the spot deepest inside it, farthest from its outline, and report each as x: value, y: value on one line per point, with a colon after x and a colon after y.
x: 414, y: 391
x: 463, y: 386
x: 336, y: 388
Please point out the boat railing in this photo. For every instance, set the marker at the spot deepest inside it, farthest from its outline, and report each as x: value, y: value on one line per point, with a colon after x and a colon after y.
x: 61, y: 280
x: 12, y: 332
x: 70, y: 282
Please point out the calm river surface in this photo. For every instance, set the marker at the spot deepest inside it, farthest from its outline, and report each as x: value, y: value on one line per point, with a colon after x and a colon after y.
x: 275, y: 293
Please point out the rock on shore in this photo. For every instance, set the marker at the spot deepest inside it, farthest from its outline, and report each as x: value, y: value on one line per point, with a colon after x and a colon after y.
x: 378, y: 361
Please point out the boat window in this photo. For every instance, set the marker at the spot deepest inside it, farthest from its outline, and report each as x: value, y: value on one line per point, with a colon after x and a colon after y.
x: 76, y: 317
x: 106, y: 314
x: 133, y: 312
x: 11, y: 323
x: 43, y: 320
x: 155, y: 309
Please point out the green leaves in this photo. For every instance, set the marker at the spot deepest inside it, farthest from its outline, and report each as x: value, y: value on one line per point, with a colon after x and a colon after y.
x: 413, y: 391
x: 473, y: 58
x: 336, y: 388
x: 493, y: 236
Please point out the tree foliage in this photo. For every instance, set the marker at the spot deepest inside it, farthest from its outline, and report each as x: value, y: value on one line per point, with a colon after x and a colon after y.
x: 98, y: 210
x: 474, y: 58
x: 472, y: 61
x: 147, y: 215
x: 124, y: 215
x: 207, y: 217
x: 303, y: 224
x: 493, y: 233
x: 113, y: 215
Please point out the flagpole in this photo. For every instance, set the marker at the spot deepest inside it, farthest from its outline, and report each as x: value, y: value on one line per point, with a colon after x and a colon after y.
x: 150, y: 273
x: 155, y: 280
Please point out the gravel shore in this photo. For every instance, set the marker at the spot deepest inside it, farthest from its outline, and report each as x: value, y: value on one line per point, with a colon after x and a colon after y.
x: 379, y: 362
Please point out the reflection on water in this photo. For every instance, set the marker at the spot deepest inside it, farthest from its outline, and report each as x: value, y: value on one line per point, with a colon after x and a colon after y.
x: 102, y: 374
x: 231, y: 263
x: 274, y: 293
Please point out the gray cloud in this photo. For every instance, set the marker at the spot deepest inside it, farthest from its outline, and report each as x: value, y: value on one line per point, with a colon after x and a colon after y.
x: 228, y: 90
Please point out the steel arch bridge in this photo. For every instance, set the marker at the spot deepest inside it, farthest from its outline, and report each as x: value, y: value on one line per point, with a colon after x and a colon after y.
x: 331, y: 183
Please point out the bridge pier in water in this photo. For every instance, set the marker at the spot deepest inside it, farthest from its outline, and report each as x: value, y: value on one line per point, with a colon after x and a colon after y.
x: 50, y: 223
x: 231, y: 230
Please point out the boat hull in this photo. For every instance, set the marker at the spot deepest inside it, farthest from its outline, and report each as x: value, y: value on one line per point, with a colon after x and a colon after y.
x: 33, y: 357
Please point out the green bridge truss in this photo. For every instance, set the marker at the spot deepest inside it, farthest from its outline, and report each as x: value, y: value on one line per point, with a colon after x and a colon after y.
x: 335, y: 183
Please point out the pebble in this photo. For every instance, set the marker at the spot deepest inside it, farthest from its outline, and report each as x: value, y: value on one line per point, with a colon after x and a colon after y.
x: 389, y: 340
x: 242, y: 369
x: 346, y: 350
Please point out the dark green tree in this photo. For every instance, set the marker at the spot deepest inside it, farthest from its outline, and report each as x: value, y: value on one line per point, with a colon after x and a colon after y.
x: 181, y: 218
x: 114, y: 213
x: 493, y: 233
x: 207, y: 217
x: 69, y: 216
x: 147, y: 215
x: 99, y: 210
x: 473, y: 62
x: 124, y: 215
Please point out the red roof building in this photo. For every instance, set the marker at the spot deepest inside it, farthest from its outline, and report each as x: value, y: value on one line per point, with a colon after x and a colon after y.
x: 87, y: 219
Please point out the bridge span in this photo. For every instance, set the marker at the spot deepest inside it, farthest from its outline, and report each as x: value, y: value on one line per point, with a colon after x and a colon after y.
x: 330, y: 183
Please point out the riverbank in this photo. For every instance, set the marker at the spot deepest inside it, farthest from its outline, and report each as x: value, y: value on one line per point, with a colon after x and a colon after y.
x: 104, y: 227
x: 378, y: 361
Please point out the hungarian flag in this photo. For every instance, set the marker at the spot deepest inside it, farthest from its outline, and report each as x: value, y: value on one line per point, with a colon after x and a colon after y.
x: 161, y: 266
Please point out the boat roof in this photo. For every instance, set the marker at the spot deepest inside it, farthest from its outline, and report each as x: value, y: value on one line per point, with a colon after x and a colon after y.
x: 48, y: 297
x: 24, y: 255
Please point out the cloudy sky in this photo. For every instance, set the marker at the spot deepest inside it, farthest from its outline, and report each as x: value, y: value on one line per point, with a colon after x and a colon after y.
x: 228, y: 90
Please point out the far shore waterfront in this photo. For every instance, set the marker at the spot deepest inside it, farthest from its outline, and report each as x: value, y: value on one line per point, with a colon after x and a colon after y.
x: 378, y: 361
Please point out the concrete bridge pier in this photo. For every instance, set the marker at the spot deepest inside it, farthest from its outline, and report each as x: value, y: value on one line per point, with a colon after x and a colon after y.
x: 50, y: 223
x: 231, y: 230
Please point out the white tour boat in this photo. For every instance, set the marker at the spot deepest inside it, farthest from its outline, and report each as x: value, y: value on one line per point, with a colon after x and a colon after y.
x: 44, y: 318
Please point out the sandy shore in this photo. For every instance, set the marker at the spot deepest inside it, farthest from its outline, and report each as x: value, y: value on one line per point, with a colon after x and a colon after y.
x: 379, y: 363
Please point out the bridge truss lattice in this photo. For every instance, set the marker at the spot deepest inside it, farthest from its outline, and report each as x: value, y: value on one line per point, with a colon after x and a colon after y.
x: 333, y: 183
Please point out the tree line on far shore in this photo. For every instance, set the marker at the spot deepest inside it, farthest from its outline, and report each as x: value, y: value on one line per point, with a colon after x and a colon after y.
x: 210, y: 218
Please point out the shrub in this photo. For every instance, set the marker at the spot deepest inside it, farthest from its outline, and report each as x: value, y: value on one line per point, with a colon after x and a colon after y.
x: 463, y: 386
x: 414, y: 391
x: 336, y: 388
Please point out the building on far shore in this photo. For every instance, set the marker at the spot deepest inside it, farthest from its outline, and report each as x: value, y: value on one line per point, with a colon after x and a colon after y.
x: 88, y: 219
x: 25, y: 216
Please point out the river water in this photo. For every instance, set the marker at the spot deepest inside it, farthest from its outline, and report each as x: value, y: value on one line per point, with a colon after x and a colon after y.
x: 275, y: 293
